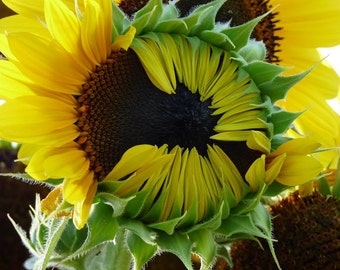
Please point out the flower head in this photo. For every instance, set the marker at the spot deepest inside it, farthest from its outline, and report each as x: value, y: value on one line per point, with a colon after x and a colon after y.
x: 153, y: 115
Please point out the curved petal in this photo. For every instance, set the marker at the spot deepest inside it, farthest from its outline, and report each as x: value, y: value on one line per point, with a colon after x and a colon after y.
x: 256, y: 173
x: 300, y: 146
x: 298, y: 170
x: 82, y: 209
x: 309, y: 23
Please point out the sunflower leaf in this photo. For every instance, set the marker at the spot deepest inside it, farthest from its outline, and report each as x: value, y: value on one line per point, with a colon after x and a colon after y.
x: 102, y: 226
x: 141, y: 251
x: 109, y: 255
x: 23, y: 236
x: 71, y: 239
x: 56, y: 229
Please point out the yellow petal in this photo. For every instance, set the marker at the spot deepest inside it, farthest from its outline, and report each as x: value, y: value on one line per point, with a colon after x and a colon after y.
x: 134, y: 158
x: 51, y: 201
x: 63, y: 24
x: 256, y: 173
x: 33, y: 8
x: 124, y: 41
x: 154, y: 64
x: 68, y: 163
x: 75, y: 189
x: 29, y: 116
x: 300, y: 146
x: 273, y: 168
x: 308, y: 23
x: 298, y: 170
x: 82, y: 209
x: 45, y: 62
x: 18, y: 23
x: 258, y: 141
x: 96, y: 31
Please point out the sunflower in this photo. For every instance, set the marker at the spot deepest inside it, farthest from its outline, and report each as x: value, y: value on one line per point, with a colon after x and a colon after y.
x: 168, y: 120
x: 292, y: 32
x: 128, y: 109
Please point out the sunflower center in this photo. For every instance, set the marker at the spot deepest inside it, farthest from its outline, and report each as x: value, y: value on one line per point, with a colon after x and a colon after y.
x: 242, y: 11
x: 121, y: 108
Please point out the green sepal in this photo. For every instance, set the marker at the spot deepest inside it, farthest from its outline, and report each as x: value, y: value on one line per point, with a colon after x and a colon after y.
x: 336, y: 187
x: 147, y: 17
x: 211, y: 224
x: 142, y: 252
x: 120, y: 23
x: 149, y: 236
x: 249, y: 202
x: 274, y: 189
x: 240, y: 34
x: 323, y: 187
x: 253, y: 51
x: 262, y: 72
x: 190, y: 216
x: 171, y: 26
x: 178, y: 244
x: 224, y: 252
x: 239, y: 227
x: 262, y: 219
x: 168, y: 226
x: 277, y: 140
x: 118, y: 204
x: 204, y: 246
x: 5, y: 145
x: 255, y: 224
x: 135, y: 206
x: 219, y: 40
x: 156, y: 207
x: 203, y: 17
x: 282, y: 120
x: 278, y: 88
